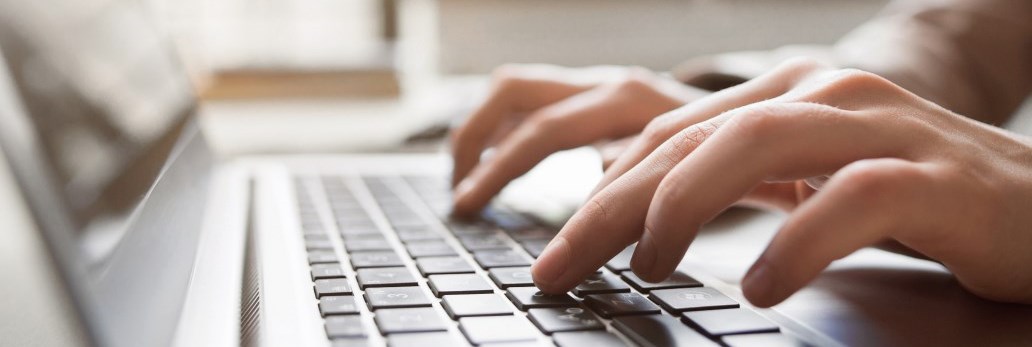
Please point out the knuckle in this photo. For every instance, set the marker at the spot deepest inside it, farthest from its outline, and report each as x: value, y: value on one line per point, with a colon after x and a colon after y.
x: 658, y: 130
x: 799, y: 66
x: 852, y: 80
x: 755, y: 122
x: 873, y: 182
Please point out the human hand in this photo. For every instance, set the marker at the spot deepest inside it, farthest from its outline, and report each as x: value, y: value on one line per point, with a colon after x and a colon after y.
x: 536, y: 110
x: 901, y: 169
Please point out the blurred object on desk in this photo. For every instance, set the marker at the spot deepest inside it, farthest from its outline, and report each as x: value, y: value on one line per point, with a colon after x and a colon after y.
x: 241, y: 49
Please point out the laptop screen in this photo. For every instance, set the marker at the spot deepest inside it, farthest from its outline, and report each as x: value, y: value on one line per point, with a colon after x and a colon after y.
x: 107, y: 102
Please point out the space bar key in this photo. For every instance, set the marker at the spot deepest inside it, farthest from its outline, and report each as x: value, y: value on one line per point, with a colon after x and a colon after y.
x: 659, y: 330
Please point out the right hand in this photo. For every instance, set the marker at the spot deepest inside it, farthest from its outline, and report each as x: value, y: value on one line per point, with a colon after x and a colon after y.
x: 533, y: 111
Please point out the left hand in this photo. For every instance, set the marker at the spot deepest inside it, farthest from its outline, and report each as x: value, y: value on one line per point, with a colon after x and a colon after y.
x: 901, y: 169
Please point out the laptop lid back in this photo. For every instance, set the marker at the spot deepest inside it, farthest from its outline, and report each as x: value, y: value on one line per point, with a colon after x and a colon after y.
x: 97, y: 129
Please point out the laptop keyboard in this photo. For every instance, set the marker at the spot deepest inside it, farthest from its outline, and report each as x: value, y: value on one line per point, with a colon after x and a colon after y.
x: 431, y: 281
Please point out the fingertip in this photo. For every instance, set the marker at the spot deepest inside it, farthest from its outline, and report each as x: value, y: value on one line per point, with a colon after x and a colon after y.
x: 760, y: 287
x: 551, y: 266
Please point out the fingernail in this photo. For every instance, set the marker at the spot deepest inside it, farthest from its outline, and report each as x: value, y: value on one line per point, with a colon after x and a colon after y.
x: 644, y: 259
x: 552, y: 263
x: 758, y: 285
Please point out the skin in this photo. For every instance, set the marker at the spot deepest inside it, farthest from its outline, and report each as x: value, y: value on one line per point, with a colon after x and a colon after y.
x: 896, y: 169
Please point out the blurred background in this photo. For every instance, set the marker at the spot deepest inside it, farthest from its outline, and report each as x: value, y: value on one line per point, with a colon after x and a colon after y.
x: 349, y: 75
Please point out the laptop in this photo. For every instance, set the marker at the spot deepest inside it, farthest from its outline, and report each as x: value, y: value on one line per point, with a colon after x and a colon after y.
x: 122, y: 229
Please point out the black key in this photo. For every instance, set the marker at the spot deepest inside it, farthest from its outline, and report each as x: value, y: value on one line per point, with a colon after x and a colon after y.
x: 410, y: 234
x: 345, y: 232
x: 322, y: 237
x: 622, y: 261
x: 350, y: 342
x: 325, y: 245
x: 396, y: 297
x: 461, y: 228
x: 436, y: 248
x: 587, y: 338
x: 534, y: 247
x: 540, y: 234
x: 729, y: 321
x: 691, y: 299
x: 335, y: 286
x: 344, y: 326
x: 459, y: 284
x: 620, y: 304
x: 443, y: 265
x: 527, y: 298
x: 483, y: 242
x: 766, y: 340
x: 500, y: 258
x: 481, y: 330
x: 511, y: 276
x: 375, y: 259
x: 659, y: 330
x: 471, y: 305
x: 334, y: 305
x: 424, y: 339
x: 600, y: 284
x: 552, y: 320
x: 676, y: 280
x: 507, y: 220
x: 409, y: 320
x: 371, y: 244
x: 321, y: 271
x: 321, y: 257
x: 385, y: 277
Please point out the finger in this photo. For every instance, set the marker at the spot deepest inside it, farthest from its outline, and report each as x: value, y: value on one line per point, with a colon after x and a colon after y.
x: 769, y: 141
x: 861, y: 205
x: 610, y: 111
x: 611, y: 150
x: 765, y: 87
x: 516, y: 90
x: 609, y: 221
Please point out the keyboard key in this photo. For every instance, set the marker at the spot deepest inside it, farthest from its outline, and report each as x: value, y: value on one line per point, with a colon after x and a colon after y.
x: 729, y: 321
x: 483, y: 242
x: 322, y: 237
x: 601, y: 284
x: 325, y: 245
x: 691, y: 299
x: 436, y: 248
x: 410, y: 234
x: 766, y: 340
x: 347, y: 231
x: 527, y: 298
x: 344, y: 326
x: 534, y: 247
x: 385, y: 277
x: 622, y: 261
x: 459, y: 284
x: 350, y: 342
x: 511, y: 276
x: 491, y: 304
x: 587, y: 338
x: 507, y: 220
x: 500, y: 258
x: 409, y: 320
x: 334, y: 305
x: 321, y: 271
x: 335, y: 286
x: 375, y: 259
x: 396, y: 297
x: 620, y: 304
x: 443, y: 265
x: 551, y: 320
x: 461, y: 228
x: 321, y: 257
x: 532, y: 234
x: 659, y: 330
x: 424, y: 339
x: 370, y: 244
x: 676, y: 280
x: 481, y: 330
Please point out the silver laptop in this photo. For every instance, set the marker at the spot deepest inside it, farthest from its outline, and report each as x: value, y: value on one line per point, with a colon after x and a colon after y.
x: 123, y: 230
